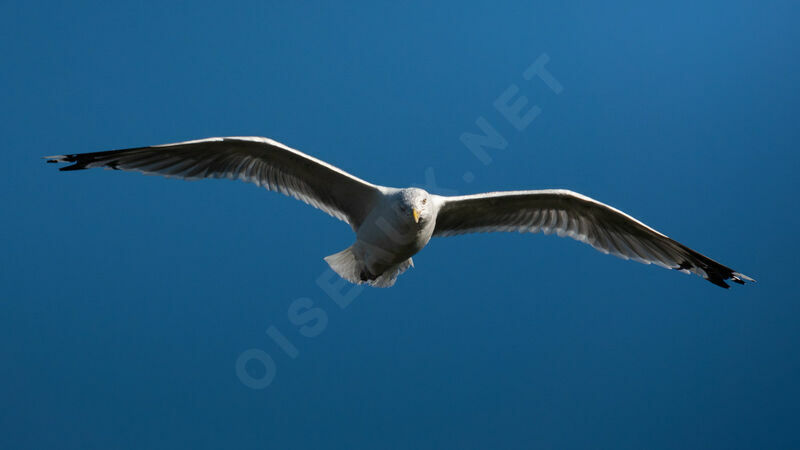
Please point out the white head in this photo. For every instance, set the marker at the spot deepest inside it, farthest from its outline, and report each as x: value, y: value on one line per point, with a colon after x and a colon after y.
x: 416, y: 204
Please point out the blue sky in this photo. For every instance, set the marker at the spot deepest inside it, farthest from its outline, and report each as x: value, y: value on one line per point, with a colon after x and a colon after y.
x: 125, y: 300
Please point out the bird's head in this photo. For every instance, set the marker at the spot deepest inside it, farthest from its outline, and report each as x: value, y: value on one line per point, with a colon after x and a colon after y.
x: 415, y: 204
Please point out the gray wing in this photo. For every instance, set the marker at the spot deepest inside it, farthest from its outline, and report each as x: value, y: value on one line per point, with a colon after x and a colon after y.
x: 257, y: 160
x: 579, y: 217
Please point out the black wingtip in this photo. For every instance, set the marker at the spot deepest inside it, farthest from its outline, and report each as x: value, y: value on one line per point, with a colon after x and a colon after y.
x: 78, y: 164
x: 719, y: 277
x: 72, y: 167
x: 719, y: 282
x: 716, y: 273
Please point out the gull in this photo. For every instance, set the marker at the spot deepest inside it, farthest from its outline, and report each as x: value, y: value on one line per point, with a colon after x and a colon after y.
x: 391, y: 224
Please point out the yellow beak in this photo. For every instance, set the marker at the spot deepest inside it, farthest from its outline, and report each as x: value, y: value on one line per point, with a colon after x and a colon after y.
x: 415, y: 213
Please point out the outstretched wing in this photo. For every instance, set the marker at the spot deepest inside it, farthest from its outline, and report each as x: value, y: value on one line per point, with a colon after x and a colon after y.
x: 579, y: 217
x: 253, y: 159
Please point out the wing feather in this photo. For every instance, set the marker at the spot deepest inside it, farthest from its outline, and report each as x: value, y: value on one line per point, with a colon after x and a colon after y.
x: 571, y: 214
x: 257, y: 160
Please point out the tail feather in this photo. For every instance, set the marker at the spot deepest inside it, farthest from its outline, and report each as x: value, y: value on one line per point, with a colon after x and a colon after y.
x: 346, y: 265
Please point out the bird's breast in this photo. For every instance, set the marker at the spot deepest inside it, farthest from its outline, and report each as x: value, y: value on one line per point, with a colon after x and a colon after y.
x: 394, y: 238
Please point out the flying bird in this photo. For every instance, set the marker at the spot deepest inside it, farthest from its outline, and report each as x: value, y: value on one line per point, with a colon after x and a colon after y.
x: 391, y: 224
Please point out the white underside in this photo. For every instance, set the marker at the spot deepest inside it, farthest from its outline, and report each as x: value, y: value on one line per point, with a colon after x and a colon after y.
x: 347, y: 264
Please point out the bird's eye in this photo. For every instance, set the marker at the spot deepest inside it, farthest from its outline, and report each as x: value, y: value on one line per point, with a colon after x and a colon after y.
x: 424, y: 200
